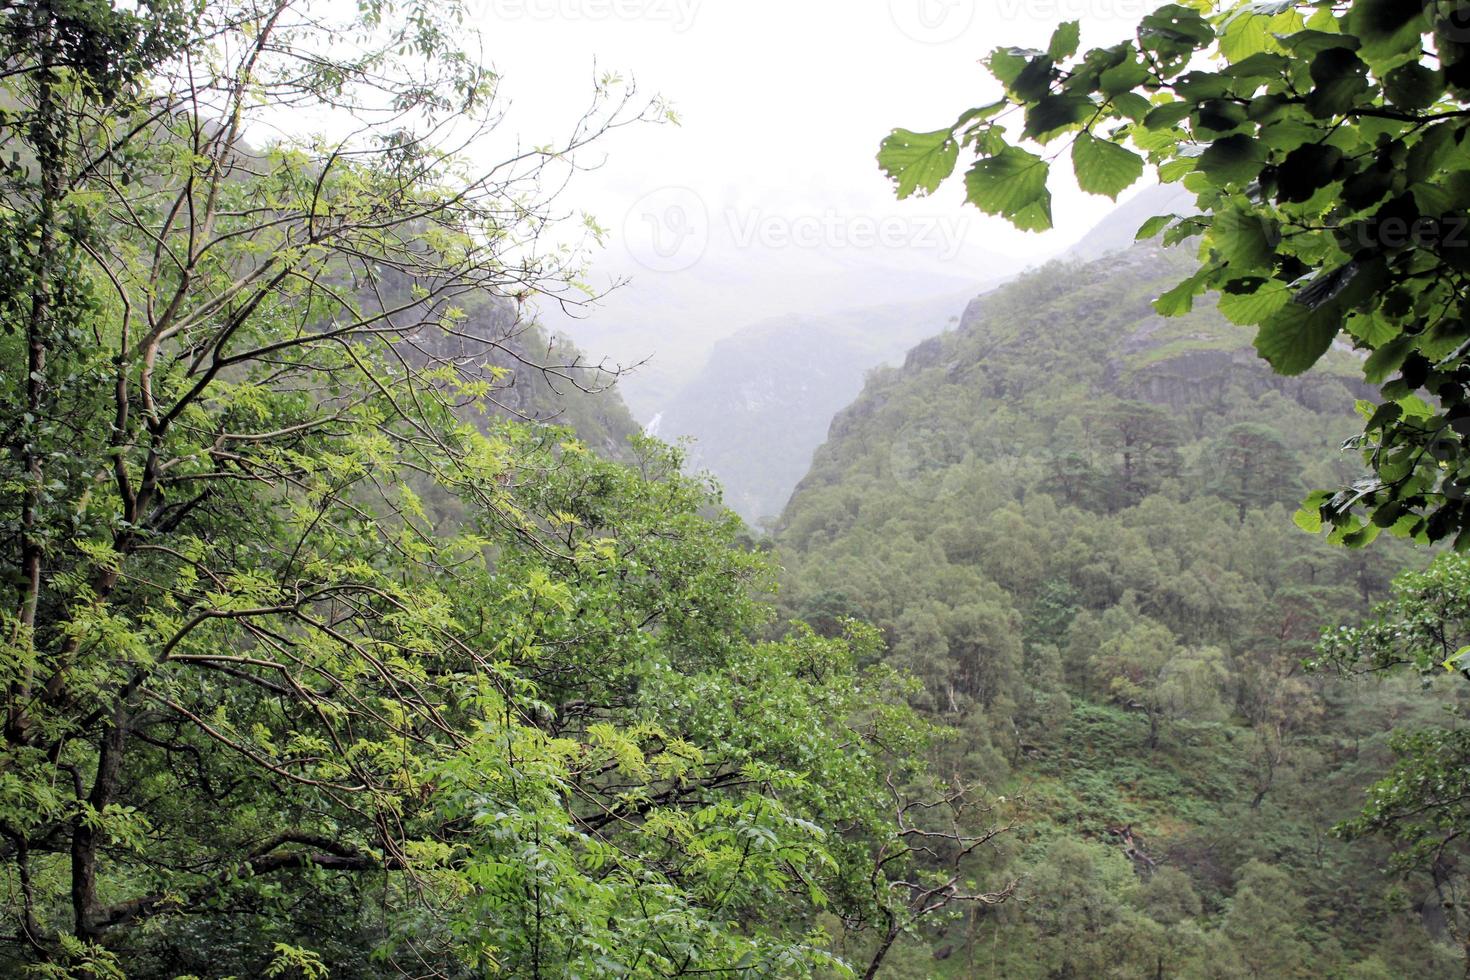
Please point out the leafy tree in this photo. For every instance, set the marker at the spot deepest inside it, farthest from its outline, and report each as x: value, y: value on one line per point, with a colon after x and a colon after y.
x: 1262, y: 924
x: 316, y: 660
x: 1420, y: 805
x: 1142, y: 667
x: 1323, y: 142
x: 1251, y: 463
x: 1141, y: 443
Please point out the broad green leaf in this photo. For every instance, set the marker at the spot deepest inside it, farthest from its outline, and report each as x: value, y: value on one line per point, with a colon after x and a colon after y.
x: 1252, y: 308
x: 1233, y: 159
x: 1414, y: 86
x: 1104, y: 168
x: 918, y: 162
x: 1295, y: 337
x: 1154, y: 226
x: 1056, y: 112
x: 1168, y: 115
x: 1064, y: 41
x: 1244, y: 238
x: 1012, y: 184
x: 1180, y: 299
x: 1309, y: 516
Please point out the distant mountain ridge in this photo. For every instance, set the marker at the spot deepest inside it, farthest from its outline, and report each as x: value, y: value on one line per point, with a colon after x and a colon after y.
x: 765, y: 398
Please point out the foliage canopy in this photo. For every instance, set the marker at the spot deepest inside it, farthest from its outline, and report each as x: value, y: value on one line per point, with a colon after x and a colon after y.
x: 1326, y: 145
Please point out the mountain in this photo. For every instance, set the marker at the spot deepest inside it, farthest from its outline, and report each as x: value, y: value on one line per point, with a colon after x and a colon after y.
x: 1119, y: 230
x: 765, y: 398
x: 667, y: 321
x: 1071, y: 520
x: 765, y: 395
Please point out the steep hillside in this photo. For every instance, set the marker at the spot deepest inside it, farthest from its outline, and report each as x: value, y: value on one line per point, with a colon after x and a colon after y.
x: 765, y: 398
x: 1071, y: 519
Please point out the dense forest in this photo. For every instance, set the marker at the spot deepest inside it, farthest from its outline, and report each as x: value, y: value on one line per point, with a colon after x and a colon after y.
x: 355, y: 629
x: 1071, y: 518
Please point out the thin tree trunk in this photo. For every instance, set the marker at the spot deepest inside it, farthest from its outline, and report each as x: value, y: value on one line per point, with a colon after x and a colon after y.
x: 47, y: 137
x: 86, y: 837
x: 882, y: 951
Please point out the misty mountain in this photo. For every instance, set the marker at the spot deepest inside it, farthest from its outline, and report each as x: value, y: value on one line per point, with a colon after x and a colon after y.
x: 667, y: 321
x: 763, y: 401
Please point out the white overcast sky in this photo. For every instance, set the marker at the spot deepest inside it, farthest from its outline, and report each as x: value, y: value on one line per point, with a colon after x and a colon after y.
x: 767, y: 200
x: 783, y: 102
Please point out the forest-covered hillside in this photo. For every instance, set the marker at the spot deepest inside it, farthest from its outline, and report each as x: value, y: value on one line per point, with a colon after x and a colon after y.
x: 354, y: 630
x: 1071, y: 518
x: 335, y: 646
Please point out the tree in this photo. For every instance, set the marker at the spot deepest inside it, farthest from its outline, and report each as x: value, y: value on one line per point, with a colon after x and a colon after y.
x: 1261, y: 924
x: 1324, y: 144
x: 314, y: 659
x: 1143, y: 668
x: 1141, y: 443
x: 1251, y: 464
x: 1420, y: 804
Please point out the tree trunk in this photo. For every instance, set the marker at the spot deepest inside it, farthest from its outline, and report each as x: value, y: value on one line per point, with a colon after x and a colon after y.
x: 86, y: 838
x: 882, y: 951
x: 46, y: 132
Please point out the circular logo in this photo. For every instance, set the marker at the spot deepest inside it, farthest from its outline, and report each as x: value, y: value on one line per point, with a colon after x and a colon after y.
x: 1451, y: 21
x: 667, y: 230
x: 932, y: 21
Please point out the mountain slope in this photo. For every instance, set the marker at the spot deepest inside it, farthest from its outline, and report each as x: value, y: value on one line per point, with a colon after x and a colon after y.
x: 1070, y: 517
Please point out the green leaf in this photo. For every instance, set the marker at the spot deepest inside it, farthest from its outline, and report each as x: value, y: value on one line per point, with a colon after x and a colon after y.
x: 1233, y: 159
x: 1387, y: 358
x: 1245, y: 35
x: 1006, y: 64
x: 1123, y: 78
x: 1309, y: 516
x: 1154, y: 226
x: 1180, y: 299
x: 1340, y: 82
x: 918, y: 162
x: 1168, y: 115
x: 1104, y: 168
x: 1177, y: 168
x: 1387, y: 27
x: 1175, y: 29
x: 1012, y: 184
x: 980, y: 113
x: 1414, y: 86
x: 1251, y: 308
x: 1295, y: 337
x: 1244, y: 238
x: 1034, y: 80
x: 1056, y: 112
x: 1065, y: 40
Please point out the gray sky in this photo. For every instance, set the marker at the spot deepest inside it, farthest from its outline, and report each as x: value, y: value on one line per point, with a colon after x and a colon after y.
x: 767, y: 199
